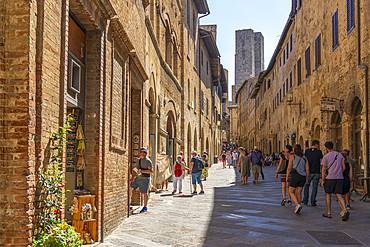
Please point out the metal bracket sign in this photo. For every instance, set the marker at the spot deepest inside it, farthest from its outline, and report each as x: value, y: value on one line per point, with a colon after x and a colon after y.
x: 327, y: 106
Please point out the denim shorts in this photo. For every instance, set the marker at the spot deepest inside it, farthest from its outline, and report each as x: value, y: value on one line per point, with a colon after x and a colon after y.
x: 195, y: 178
x: 142, y: 184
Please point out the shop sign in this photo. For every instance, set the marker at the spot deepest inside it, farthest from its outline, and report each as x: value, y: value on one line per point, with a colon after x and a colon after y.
x: 71, y: 139
x: 70, y: 162
x: 70, y: 169
x: 71, y: 146
x: 76, y: 40
x: 327, y: 106
x: 272, y: 135
x: 71, y: 155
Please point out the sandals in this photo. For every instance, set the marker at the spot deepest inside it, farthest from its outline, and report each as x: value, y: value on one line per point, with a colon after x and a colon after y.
x: 327, y: 216
x: 289, y: 202
x: 283, y: 202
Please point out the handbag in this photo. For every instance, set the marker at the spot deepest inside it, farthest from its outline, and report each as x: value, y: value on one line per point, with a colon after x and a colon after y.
x: 327, y: 169
x: 259, y: 163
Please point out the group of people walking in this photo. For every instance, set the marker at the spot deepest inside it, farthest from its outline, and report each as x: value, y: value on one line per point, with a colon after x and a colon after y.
x: 298, y: 170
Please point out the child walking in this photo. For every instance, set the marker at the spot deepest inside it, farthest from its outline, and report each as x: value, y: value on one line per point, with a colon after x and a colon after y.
x: 178, y: 174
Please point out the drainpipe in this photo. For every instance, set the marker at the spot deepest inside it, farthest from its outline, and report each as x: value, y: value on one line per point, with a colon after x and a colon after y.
x: 200, y: 79
x: 366, y: 92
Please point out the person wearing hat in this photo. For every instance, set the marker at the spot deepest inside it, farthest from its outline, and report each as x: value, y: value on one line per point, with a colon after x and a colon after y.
x: 257, y: 159
x: 178, y: 174
x: 195, y: 172
x: 141, y: 176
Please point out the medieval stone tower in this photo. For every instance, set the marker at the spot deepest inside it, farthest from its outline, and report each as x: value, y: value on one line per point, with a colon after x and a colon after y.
x: 249, y: 55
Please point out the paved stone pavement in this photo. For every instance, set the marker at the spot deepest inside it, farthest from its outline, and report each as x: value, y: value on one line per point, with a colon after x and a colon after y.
x: 231, y: 214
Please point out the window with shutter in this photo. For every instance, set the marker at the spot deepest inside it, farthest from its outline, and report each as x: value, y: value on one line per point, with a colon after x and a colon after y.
x: 291, y: 79
x: 308, y: 64
x: 299, y: 72
x: 291, y: 42
x: 334, y: 20
x: 287, y: 50
x: 287, y: 85
x: 350, y: 15
x: 284, y: 57
x: 318, y: 51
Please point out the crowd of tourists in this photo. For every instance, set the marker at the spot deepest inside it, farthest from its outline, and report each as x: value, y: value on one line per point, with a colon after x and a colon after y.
x: 298, y: 169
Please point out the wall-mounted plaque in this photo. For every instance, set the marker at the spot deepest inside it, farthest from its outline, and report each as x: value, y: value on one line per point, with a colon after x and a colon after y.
x: 71, y: 162
x: 70, y: 169
x: 71, y: 155
x: 136, y: 138
x: 136, y: 152
x: 71, y: 146
x: 73, y: 125
x: 71, y: 139
x: 136, y: 146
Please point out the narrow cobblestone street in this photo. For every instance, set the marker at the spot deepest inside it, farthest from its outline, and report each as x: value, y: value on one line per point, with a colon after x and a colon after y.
x: 231, y: 214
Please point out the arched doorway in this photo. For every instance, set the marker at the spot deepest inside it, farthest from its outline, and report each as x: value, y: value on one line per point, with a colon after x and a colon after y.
x: 316, y: 134
x: 171, y: 138
x: 301, y: 141
x: 336, y: 124
x: 357, y: 145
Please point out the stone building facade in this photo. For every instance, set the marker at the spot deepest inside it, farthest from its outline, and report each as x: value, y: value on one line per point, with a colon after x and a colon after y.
x: 315, y: 86
x: 123, y: 68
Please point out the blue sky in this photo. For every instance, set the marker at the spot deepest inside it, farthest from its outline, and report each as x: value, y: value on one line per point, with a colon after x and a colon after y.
x: 266, y: 16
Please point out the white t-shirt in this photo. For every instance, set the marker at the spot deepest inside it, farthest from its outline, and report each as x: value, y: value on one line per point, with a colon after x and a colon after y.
x: 235, y: 155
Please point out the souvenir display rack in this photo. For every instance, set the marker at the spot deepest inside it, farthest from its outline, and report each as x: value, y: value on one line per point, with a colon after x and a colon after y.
x: 83, y: 217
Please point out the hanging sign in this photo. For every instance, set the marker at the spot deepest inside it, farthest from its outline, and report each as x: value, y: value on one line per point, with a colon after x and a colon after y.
x: 327, y: 106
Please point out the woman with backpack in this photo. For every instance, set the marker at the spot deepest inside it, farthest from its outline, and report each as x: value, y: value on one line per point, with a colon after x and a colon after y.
x: 282, y: 169
x: 178, y: 174
x: 299, y: 170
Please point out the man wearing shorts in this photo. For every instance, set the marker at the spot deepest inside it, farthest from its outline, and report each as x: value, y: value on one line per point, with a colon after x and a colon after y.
x: 256, y: 157
x: 195, y: 173
x: 333, y: 163
x: 141, y: 176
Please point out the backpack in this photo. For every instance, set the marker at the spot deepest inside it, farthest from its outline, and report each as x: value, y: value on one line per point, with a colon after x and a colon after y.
x: 200, y: 164
x: 178, y: 169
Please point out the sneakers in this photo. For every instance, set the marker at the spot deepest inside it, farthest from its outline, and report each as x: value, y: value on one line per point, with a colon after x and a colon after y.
x: 180, y: 193
x: 348, y: 207
x: 143, y: 210
x: 289, y: 202
x: 194, y: 193
x: 298, y: 209
x: 283, y: 202
x: 254, y: 182
x: 345, y: 216
x: 202, y: 192
x: 173, y: 192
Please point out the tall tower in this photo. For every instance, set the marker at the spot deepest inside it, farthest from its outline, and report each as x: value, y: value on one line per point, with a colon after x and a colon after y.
x: 249, y: 55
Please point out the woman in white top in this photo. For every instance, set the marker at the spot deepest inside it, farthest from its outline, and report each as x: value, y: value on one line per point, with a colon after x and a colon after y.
x: 299, y: 170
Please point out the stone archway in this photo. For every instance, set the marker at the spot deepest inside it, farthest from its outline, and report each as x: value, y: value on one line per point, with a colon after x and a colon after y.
x: 336, y: 129
x: 356, y: 112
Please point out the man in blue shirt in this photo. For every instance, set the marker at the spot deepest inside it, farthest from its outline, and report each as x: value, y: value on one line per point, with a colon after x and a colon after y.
x: 257, y: 159
x: 196, y: 173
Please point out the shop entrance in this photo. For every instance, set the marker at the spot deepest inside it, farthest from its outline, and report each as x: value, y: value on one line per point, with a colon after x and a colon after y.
x: 357, y: 145
x: 170, y: 140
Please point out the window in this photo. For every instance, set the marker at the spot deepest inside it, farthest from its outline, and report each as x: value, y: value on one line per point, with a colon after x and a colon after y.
x: 207, y: 108
x: 280, y: 61
x: 207, y: 67
x: 308, y: 62
x: 201, y: 58
x: 291, y: 42
x: 350, y: 15
x: 299, y: 72
x: 268, y: 84
x: 189, y: 91
x: 318, y: 51
x: 195, y: 98
x: 299, y: 4
x: 202, y: 100
x: 334, y: 22
x: 75, y: 79
x: 283, y: 90
x: 291, y: 79
x: 294, y: 7
x: 280, y: 94
x: 287, y: 85
x: 284, y: 57
x: 287, y: 50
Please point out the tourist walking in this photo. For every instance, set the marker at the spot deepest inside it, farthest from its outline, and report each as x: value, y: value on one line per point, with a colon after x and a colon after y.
x: 141, y: 177
x: 229, y: 158
x: 314, y: 157
x: 196, y: 172
x: 262, y: 165
x: 346, y: 153
x: 332, y: 179
x: 235, y: 158
x: 282, y: 169
x: 299, y: 170
x: 205, y: 169
x: 178, y: 174
x: 223, y: 159
x: 347, y: 178
x: 257, y: 159
x: 245, y: 165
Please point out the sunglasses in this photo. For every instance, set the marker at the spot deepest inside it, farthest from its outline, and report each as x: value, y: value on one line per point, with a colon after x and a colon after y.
x: 142, y: 152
